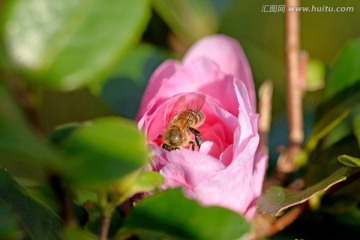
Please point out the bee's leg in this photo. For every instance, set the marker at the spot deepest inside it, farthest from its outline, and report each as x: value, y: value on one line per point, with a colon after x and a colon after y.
x: 198, y: 138
x: 194, y: 131
x: 165, y: 146
x: 192, y: 145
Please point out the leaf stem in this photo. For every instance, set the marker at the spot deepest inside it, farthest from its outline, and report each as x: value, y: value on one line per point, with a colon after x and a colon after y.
x: 105, y: 226
x: 107, y: 209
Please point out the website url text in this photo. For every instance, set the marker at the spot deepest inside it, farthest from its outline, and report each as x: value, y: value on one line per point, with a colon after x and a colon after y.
x: 313, y: 8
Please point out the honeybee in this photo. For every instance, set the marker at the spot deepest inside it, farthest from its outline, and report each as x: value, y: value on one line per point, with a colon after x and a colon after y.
x: 184, y: 119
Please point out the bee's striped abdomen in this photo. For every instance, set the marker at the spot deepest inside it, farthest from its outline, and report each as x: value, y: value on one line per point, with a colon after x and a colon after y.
x: 189, y: 117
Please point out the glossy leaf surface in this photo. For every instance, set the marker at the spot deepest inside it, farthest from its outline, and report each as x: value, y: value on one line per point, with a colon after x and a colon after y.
x: 66, y: 44
x: 345, y: 71
x: 145, y: 182
x: 122, y: 91
x: 349, y: 161
x: 328, y: 118
x: 103, y: 151
x: 278, y: 199
x: 169, y: 214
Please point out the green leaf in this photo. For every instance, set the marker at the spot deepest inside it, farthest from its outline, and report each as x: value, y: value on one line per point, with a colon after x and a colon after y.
x: 71, y: 43
x: 170, y: 215
x: 351, y: 218
x: 324, y: 126
x: 39, y: 221
x: 356, y: 126
x: 145, y: 182
x: 345, y: 71
x: 347, y: 194
x: 189, y: 19
x: 277, y: 199
x: 345, y: 198
x: 9, y: 228
x: 349, y: 161
x: 62, y: 132
x: 324, y: 160
x: 72, y: 233
x: 123, y: 90
x: 315, y: 75
x: 341, y: 105
x: 103, y: 151
x: 21, y: 152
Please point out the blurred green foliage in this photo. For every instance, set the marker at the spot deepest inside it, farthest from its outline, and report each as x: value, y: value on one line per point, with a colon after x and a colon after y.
x: 147, y: 219
x: 69, y: 44
x: 72, y: 71
x: 39, y: 221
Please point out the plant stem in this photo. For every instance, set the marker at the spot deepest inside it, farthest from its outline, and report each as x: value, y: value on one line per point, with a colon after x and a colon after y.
x: 295, y: 68
x: 265, y: 106
x: 294, y: 89
x: 105, y: 226
x: 63, y: 199
x: 107, y: 210
x: 294, y: 86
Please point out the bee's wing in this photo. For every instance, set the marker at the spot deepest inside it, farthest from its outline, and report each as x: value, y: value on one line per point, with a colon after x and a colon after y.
x: 195, y: 101
x: 188, y: 101
x: 178, y: 107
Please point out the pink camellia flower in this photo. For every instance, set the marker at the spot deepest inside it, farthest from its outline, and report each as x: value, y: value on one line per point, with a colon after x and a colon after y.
x: 229, y: 167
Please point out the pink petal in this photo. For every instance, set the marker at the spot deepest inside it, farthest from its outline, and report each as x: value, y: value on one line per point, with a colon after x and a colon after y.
x: 188, y: 168
x: 260, y: 166
x: 230, y: 187
x: 248, y: 121
x: 163, y: 72
x: 228, y: 55
x: 203, y: 75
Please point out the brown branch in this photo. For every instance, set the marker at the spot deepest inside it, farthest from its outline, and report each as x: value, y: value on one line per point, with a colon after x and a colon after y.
x: 295, y: 68
x: 294, y: 90
x: 293, y: 87
x: 265, y: 107
x: 303, y: 66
